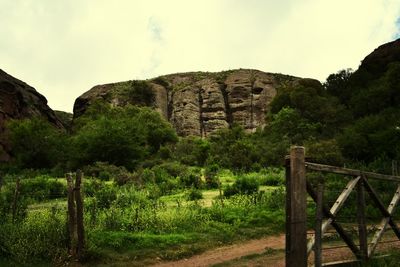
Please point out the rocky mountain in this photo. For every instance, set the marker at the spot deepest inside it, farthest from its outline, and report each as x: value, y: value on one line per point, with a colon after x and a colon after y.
x: 18, y: 100
x: 377, y: 62
x: 198, y: 103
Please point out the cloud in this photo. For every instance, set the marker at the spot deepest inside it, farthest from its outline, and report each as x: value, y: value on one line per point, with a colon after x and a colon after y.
x: 397, y: 34
x: 63, y: 48
x: 155, y: 29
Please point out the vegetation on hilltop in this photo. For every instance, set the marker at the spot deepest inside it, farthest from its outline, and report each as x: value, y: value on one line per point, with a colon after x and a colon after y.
x: 149, y: 193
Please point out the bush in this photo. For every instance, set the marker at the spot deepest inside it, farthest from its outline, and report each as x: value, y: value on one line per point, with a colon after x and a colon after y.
x: 194, y: 194
x: 36, y: 143
x: 105, y: 196
x: 105, y: 172
x: 122, y: 136
x: 6, y: 200
x: 192, y: 178
x: 243, y: 185
x: 40, y: 237
x: 211, y: 177
x: 272, y: 176
x: 174, y: 168
x: 192, y: 151
x: 42, y: 188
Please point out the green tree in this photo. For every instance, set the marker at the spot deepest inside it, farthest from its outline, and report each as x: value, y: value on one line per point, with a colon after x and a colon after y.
x: 313, y: 104
x: 372, y: 136
x: 36, y: 143
x: 121, y: 136
x: 289, y: 124
x: 192, y: 150
x: 337, y: 84
x: 233, y: 148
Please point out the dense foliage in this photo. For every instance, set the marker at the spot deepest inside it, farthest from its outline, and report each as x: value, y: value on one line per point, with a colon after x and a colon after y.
x: 150, y: 189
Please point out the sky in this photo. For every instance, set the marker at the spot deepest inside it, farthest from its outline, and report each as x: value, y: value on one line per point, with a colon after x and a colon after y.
x: 64, y: 48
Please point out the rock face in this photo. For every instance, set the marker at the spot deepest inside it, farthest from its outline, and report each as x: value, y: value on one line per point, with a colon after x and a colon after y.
x: 200, y: 103
x: 18, y: 101
x: 377, y: 62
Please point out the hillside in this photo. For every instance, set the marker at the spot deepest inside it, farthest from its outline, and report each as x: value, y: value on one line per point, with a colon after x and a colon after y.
x: 197, y: 103
x: 18, y: 100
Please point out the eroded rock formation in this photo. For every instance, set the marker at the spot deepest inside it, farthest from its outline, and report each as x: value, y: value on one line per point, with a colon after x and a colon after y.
x: 199, y: 103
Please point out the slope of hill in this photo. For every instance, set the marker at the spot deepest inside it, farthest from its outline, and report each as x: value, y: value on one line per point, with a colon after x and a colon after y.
x: 197, y: 103
x: 18, y: 100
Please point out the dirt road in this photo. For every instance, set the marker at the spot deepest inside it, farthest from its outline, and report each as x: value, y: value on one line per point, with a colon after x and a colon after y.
x: 228, y: 253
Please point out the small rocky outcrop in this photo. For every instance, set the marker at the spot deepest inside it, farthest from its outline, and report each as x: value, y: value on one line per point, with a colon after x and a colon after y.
x: 18, y: 100
x: 199, y: 103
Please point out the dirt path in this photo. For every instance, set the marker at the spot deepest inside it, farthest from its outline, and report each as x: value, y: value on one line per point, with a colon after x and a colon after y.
x: 228, y: 253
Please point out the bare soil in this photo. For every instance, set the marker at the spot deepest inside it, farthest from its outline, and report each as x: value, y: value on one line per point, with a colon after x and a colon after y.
x: 268, y: 251
x: 229, y: 253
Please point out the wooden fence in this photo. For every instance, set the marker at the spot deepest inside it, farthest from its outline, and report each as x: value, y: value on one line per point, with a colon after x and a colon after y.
x: 76, y: 231
x: 298, y: 246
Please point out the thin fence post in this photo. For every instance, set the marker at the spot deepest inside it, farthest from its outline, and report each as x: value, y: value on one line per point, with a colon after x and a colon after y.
x: 71, y: 216
x: 221, y: 196
x: 395, y: 170
x: 362, y: 228
x: 318, y: 225
x: 296, y: 204
x: 15, y: 200
x: 79, y: 215
x: 1, y: 181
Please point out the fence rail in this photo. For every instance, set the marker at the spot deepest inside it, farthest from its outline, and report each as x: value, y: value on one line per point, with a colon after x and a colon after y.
x: 298, y: 247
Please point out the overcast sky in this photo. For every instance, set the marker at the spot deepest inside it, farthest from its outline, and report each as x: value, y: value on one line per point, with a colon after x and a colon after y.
x: 65, y: 47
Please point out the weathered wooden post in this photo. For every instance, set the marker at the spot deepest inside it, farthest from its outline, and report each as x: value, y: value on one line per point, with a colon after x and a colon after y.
x: 1, y: 181
x: 221, y: 197
x: 394, y: 168
x: 15, y: 200
x: 79, y: 215
x: 362, y: 228
x: 318, y: 225
x: 296, y: 203
x: 71, y: 216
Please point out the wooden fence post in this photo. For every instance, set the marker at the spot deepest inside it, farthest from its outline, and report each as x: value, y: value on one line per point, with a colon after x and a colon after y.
x: 362, y: 228
x: 1, y: 181
x: 15, y: 200
x: 221, y: 198
x: 296, y: 204
x: 318, y: 225
x: 71, y: 216
x: 79, y: 215
x: 394, y: 168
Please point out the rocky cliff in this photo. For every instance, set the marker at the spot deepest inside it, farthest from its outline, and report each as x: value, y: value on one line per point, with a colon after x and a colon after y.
x: 377, y: 62
x: 17, y: 101
x: 199, y: 103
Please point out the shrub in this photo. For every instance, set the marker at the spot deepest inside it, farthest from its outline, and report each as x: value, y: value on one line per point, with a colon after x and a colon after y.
x: 211, y: 177
x: 105, y: 172
x: 194, y: 194
x: 36, y: 143
x: 105, y: 196
x: 243, y: 185
x: 122, y: 136
x: 192, y: 178
x: 41, y: 236
x: 272, y: 176
x: 192, y: 151
x: 41, y: 188
x: 91, y: 186
x: 276, y: 199
x: 6, y: 200
x: 174, y: 168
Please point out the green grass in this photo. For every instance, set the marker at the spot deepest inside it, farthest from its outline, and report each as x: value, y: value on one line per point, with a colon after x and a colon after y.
x: 137, y: 227
x: 48, y: 204
x: 252, y: 258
